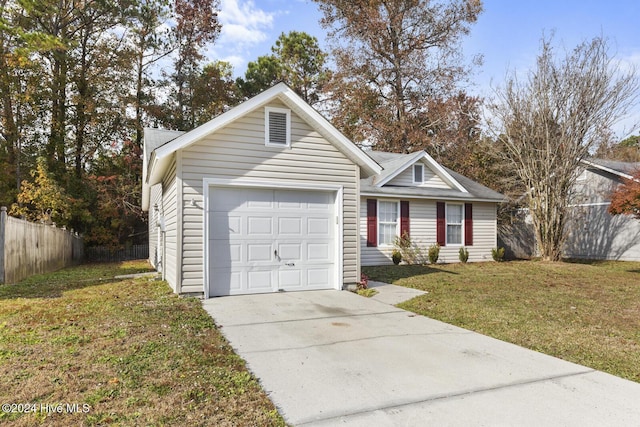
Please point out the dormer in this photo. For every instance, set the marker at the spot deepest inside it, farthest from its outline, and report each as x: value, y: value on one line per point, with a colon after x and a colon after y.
x: 417, y: 170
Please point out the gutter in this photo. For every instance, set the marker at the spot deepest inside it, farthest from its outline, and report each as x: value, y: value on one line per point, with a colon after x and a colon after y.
x: 411, y: 196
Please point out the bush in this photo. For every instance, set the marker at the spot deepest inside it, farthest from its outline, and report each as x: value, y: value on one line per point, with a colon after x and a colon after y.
x: 409, y: 251
x: 364, y: 282
x: 463, y: 254
x: 497, y: 254
x: 434, y: 253
x: 396, y: 256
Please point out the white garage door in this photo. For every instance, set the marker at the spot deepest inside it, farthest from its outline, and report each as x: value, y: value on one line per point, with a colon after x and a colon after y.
x: 263, y: 240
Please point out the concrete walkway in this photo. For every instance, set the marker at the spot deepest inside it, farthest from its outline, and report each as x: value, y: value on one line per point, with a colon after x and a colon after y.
x: 331, y: 358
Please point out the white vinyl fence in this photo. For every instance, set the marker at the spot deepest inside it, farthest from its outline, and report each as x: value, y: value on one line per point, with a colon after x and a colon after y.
x: 28, y: 248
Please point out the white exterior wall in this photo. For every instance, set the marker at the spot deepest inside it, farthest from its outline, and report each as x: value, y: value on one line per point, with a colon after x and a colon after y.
x: 422, y: 228
x: 238, y: 151
x: 170, y: 213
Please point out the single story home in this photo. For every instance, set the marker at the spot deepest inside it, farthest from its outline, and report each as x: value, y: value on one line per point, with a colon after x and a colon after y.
x: 269, y: 196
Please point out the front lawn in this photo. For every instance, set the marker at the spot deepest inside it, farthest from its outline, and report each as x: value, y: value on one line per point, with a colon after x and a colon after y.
x: 81, y: 348
x: 587, y: 313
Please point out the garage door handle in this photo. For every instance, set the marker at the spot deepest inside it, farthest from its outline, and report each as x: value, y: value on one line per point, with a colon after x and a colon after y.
x: 290, y: 264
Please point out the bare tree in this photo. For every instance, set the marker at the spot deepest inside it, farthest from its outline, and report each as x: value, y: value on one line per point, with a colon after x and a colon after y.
x: 549, y: 121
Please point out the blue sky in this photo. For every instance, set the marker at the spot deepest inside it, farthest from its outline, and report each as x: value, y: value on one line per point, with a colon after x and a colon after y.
x: 507, y: 33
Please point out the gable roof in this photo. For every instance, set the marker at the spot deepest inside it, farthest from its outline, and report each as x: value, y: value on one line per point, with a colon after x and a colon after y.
x: 160, y: 157
x: 463, y: 188
x: 394, y: 164
x: 621, y: 169
x: 153, y: 138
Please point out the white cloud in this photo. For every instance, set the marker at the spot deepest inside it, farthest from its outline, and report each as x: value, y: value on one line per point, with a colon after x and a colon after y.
x: 237, y: 61
x: 243, y: 23
x: 628, y: 63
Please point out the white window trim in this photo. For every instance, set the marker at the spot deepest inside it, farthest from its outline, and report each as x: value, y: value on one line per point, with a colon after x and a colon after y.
x: 446, y: 228
x: 414, y: 174
x: 285, y: 111
x: 397, y: 202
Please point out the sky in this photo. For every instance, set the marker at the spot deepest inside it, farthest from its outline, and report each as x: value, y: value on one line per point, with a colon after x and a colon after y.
x: 507, y: 34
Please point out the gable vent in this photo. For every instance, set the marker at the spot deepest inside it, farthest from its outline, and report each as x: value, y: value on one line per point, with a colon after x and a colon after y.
x: 277, y: 131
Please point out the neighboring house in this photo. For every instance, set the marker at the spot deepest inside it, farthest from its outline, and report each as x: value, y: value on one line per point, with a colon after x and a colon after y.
x: 269, y: 196
x: 593, y: 232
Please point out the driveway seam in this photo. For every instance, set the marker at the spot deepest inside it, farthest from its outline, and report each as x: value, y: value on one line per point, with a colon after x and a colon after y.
x: 341, y: 316
x: 327, y: 344
x: 449, y: 396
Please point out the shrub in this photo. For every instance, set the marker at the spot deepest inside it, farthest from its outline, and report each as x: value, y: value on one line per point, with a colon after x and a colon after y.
x: 409, y: 251
x: 434, y: 253
x: 396, y: 256
x: 497, y: 254
x: 364, y: 282
x: 463, y: 254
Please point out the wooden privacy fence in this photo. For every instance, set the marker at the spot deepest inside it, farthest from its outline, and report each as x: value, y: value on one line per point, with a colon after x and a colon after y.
x: 28, y: 248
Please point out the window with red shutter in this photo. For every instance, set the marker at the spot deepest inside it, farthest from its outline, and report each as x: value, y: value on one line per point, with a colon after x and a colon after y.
x: 372, y: 223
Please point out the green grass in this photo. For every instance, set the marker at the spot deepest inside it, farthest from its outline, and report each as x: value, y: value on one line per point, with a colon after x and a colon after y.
x: 584, y: 312
x: 131, y: 350
x: 368, y: 293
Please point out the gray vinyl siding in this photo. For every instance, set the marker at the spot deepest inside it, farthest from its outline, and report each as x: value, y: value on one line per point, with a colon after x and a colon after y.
x: 593, y: 232
x: 422, y: 219
x: 169, y: 211
x: 594, y: 187
x: 155, y: 200
x: 596, y: 234
x: 238, y: 151
x: 405, y: 179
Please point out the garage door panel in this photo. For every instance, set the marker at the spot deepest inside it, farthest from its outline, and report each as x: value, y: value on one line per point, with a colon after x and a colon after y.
x: 290, y: 226
x: 223, y: 225
x: 321, y: 204
x: 290, y: 278
x: 256, y: 223
x: 227, y: 199
x: 290, y: 251
x: 318, y: 227
x: 259, y: 226
x: 318, y: 252
x: 225, y: 258
x: 318, y: 277
x: 259, y: 252
x: 233, y: 279
x: 289, y: 199
x: 260, y: 280
x: 258, y: 198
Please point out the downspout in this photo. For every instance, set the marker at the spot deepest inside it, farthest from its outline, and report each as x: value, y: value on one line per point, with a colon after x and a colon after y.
x: 163, y: 237
x: 160, y: 227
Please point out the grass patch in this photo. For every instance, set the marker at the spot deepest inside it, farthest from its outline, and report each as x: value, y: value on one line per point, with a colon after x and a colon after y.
x: 583, y: 312
x: 131, y: 350
x: 369, y: 292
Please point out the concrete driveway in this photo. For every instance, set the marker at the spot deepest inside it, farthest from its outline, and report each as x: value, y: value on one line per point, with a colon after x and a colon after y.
x: 334, y: 358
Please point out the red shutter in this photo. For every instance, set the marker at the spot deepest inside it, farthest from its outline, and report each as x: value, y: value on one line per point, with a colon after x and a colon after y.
x: 468, y: 224
x: 441, y: 224
x: 404, y: 218
x: 372, y: 223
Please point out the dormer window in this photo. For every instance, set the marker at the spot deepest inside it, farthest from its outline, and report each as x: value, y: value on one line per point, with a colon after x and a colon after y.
x: 418, y: 174
x: 277, y: 127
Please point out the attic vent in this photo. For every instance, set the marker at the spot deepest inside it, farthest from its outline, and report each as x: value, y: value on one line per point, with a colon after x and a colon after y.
x: 278, y: 125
